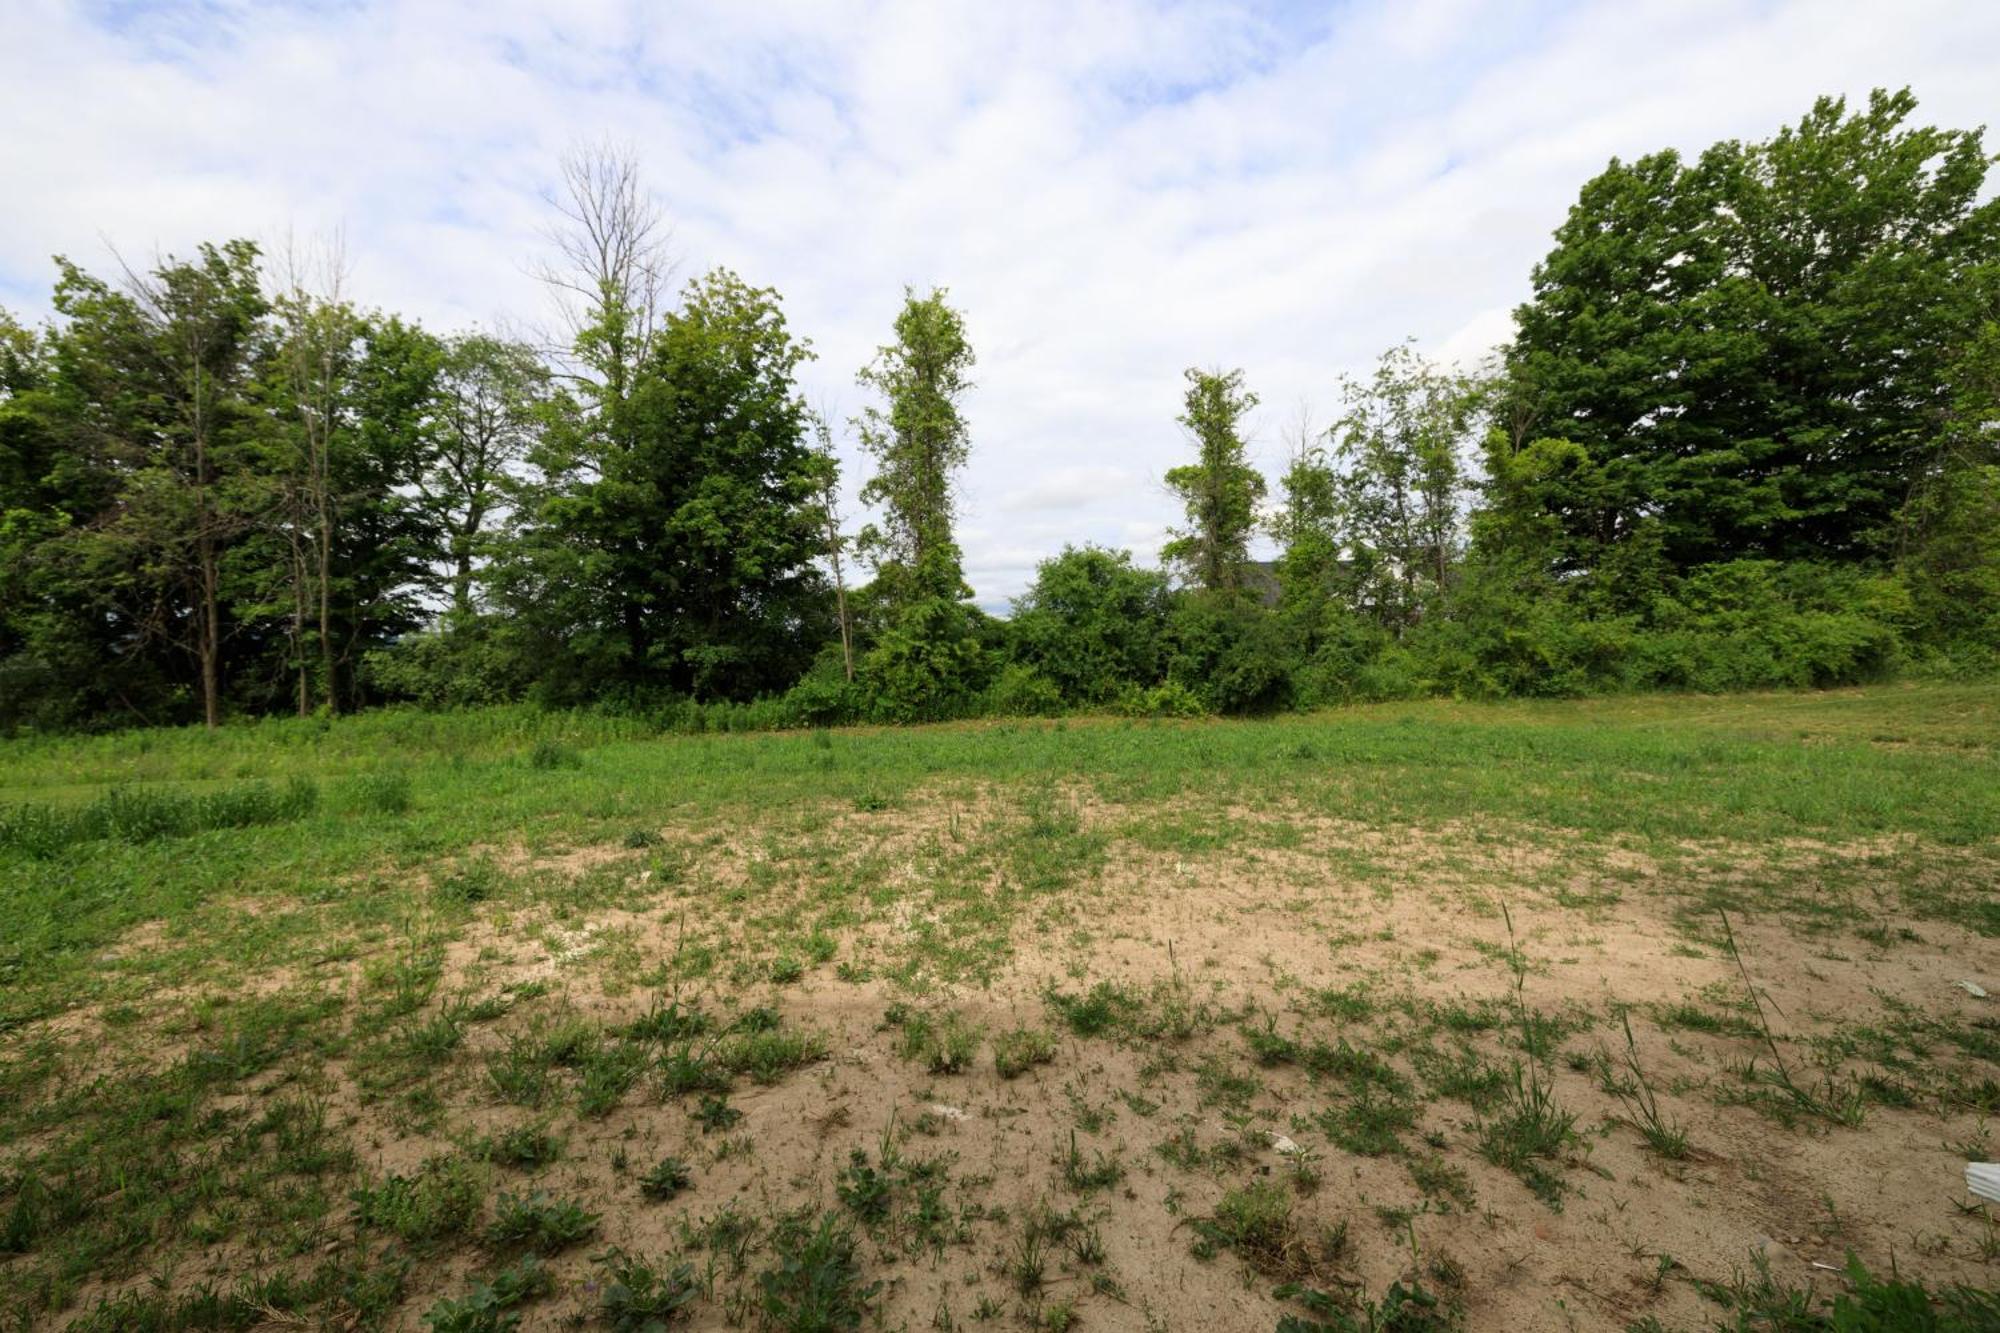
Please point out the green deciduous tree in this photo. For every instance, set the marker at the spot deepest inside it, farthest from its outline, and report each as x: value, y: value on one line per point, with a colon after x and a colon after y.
x: 155, y: 379
x: 685, y: 561
x: 919, y: 441
x: 490, y: 398
x: 1401, y: 485
x: 927, y: 660
x: 1220, y: 490
x: 1752, y: 347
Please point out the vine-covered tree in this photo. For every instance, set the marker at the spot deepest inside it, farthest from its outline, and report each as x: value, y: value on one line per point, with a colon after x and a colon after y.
x: 926, y: 661
x: 919, y: 441
x: 1220, y: 490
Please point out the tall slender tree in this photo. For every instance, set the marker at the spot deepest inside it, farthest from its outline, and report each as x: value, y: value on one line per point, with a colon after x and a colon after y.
x: 920, y: 442
x: 1220, y: 490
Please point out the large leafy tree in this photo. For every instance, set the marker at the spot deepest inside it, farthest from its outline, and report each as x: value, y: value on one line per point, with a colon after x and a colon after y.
x: 1751, y: 349
x: 154, y: 393
x: 685, y: 562
x: 490, y: 398
x: 1220, y: 489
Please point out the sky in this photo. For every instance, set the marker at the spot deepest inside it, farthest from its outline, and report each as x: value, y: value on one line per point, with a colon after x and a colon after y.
x: 1111, y: 190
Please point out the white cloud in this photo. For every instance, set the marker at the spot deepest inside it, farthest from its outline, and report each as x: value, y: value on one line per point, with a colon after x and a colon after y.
x: 1112, y: 192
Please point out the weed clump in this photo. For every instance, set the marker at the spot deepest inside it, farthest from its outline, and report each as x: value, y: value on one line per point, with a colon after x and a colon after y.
x: 489, y: 1306
x: 639, y: 1298
x: 539, y: 1223
x: 815, y: 1285
x: 1018, y: 1050
x: 438, y: 1200
x: 139, y: 815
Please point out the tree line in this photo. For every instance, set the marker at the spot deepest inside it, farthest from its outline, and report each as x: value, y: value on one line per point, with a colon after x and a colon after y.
x: 1747, y: 433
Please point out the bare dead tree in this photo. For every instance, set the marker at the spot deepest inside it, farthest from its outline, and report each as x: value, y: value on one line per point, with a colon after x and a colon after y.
x: 608, y: 268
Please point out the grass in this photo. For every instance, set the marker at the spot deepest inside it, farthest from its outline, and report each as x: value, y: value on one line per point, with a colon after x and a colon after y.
x: 503, y: 1017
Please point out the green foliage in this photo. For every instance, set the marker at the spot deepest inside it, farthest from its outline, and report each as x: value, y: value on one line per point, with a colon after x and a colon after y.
x: 539, y: 1223
x: 439, y: 1200
x: 489, y: 1306
x: 639, y: 1298
x: 1748, y: 346
x: 919, y: 442
x: 814, y: 1285
x: 1092, y: 624
x: 1229, y: 653
x: 673, y: 551
x: 1220, y: 490
x: 137, y: 815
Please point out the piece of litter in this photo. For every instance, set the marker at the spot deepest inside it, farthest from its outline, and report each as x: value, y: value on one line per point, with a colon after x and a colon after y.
x: 947, y: 1112
x: 1983, y: 1179
x: 1281, y: 1144
x: 1972, y: 988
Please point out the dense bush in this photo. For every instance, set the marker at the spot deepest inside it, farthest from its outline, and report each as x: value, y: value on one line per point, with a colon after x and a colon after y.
x: 1092, y: 624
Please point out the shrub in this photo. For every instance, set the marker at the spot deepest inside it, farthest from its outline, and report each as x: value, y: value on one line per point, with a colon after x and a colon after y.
x: 1092, y: 624
x: 384, y: 793
x: 1022, y: 691
x: 1230, y: 653
x: 1172, y: 699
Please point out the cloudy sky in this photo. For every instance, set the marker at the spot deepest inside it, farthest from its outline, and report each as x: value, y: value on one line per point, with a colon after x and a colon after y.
x: 1111, y: 190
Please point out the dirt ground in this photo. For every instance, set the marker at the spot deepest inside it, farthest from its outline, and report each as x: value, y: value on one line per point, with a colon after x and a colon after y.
x: 1240, y: 934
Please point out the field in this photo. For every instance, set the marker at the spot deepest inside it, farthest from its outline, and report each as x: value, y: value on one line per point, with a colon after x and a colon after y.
x: 1641, y: 1013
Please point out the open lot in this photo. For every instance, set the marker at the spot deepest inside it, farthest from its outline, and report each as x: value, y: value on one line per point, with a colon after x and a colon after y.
x: 1606, y: 1014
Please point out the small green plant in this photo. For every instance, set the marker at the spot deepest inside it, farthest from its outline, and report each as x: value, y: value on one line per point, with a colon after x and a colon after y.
x: 608, y: 1071
x: 1256, y: 1222
x: 548, y: 754
x: 943, y: 1043
x: 715, y: 1114
x: 767, y: 1055
x: 864, y: 1188
x: 1530, y: 1129
x: 665, y: 1179
x: 1095, y: 1172
x: 669, y: 1022
x: 1663, y: 1134
x: 814, y: 1284
x: 687, y: 1068
x: 526, y: 1146
x: 1018, y: 1050
x: 539, y: 1223
x: 439, y: 1199
x: 639, y: 1298
x: 386, y: 792
x: 1843, y: 1104
x: 489, y: 1306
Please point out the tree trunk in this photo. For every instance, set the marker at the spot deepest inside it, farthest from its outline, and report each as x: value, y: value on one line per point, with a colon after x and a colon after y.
x: 211, y: 634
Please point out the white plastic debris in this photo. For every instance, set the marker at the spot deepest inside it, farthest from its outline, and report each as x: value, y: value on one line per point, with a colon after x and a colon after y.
x: 1972, y: 988
x: 944, y: 1112
x: 1983, y: 1179
x: 1279, y: 1143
